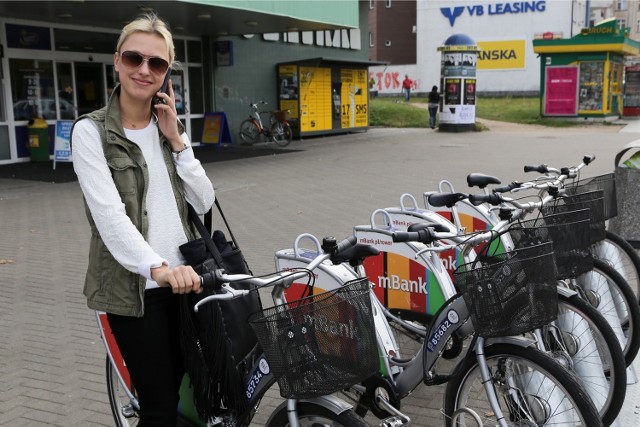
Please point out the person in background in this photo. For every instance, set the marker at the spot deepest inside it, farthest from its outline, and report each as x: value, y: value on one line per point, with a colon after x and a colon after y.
x: 406, y: 87
x: 137, y: 173
x: 434, y: 100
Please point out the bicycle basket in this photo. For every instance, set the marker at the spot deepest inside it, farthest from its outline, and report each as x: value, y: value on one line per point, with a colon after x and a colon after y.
x: 569, y: 234
x: 282, y: 115
x: 513, y: 293
x: 606, y: 183
x: 592, y: 200
x: 320, y: 344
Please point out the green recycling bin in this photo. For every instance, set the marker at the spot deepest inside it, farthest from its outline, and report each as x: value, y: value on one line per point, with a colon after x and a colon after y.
x: 38, y: 131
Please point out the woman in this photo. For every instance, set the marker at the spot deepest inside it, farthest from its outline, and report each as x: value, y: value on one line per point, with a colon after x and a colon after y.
x: 137, y: 173
x: 434, y: 99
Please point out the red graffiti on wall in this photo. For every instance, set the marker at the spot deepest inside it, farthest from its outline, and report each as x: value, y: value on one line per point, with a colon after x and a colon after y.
x: 391, y: 80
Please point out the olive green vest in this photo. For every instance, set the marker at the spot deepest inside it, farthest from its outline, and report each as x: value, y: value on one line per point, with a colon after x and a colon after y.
x: 108, y: 285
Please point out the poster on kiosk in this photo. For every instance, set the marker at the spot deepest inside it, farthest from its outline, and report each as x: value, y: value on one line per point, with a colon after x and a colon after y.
x: 458, y: 84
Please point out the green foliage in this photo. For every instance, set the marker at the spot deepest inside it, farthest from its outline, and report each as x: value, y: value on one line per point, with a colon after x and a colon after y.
x: 524, y: 110
x: 394, y: 112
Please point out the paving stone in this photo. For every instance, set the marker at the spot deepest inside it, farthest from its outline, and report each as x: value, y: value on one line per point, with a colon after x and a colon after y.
x: 52, y: 359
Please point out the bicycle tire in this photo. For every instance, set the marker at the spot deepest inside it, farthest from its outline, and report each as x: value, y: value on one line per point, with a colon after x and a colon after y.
x: 530, y: 363
x: 621, y: 305
x: 584, y: 334
x: 123, y: 410
x: 249, y: 132
x: 313, y: 414
x: 281, y: 133
x: 626, y: 262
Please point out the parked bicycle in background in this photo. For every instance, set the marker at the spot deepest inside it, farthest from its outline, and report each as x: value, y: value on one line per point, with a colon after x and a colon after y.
x: 278, y: 130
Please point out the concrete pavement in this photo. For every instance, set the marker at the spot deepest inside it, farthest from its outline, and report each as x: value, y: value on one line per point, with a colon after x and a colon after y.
x: 51, y: 357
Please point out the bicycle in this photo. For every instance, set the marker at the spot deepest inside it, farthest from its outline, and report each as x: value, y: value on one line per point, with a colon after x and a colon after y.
x: 581, y: 338
x: 307, y: 371
x: 507, y: 399
x: 604, y: 285
x: 252, y: 130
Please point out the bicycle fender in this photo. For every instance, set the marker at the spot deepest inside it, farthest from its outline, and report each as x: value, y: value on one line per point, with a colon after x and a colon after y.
x: 332, y: 403
x: 519, y: 341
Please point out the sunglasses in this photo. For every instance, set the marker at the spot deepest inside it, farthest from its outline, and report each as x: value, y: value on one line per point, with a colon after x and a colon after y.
x: 134, y: 60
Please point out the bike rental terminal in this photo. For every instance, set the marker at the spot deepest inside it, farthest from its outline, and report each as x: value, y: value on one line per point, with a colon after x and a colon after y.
x: 324, y: 95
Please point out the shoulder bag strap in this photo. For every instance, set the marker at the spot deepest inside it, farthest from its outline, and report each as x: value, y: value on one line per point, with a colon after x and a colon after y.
x: 193, y: 216
x: 235, y: 243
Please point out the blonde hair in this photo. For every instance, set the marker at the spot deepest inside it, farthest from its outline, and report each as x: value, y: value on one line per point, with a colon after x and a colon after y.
x: 152, y: 24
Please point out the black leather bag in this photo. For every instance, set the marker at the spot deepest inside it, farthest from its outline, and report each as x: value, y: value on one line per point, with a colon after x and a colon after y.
x: 217, y: 341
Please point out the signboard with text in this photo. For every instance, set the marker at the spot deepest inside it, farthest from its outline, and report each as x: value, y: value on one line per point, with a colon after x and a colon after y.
x: 62, y: 143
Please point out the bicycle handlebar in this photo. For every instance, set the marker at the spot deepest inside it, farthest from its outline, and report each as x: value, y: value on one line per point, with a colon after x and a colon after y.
x: 212, y: 279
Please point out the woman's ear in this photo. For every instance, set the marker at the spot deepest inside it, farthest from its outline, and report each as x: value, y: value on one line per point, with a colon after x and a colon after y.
x: 116, y: 61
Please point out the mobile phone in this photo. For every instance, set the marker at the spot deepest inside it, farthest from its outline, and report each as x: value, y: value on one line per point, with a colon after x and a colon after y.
x: 163, y: 88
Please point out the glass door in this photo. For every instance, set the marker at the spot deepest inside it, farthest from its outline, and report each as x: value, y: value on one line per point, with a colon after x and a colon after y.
x: 90, y: 92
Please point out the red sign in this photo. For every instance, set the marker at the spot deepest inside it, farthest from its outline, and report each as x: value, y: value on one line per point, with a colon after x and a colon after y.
x: 561, y: 91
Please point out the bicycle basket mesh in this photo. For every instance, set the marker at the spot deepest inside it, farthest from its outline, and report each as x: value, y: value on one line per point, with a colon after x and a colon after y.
x: 510, y: 293
x: 282, y: 115
x: 606, y: 183
x: 320, y: 344
x: 569, y: 234
x: 592, y: 200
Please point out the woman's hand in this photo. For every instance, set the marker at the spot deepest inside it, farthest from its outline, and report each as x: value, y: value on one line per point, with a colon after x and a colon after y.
x: 182, y: 279
x: 168, y: 117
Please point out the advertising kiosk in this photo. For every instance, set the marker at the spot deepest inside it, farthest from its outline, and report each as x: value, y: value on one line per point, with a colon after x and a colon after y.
x: 324, y: 95
x: 583, y: 76
x: 458, y: 84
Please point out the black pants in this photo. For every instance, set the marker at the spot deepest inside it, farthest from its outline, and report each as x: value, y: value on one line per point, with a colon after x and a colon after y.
x: 150, y: 347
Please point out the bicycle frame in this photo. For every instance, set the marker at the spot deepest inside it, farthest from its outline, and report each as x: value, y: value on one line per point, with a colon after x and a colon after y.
x: 257, y: 381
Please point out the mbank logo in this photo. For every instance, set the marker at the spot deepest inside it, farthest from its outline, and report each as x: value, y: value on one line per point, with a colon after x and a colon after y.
x: 452, y: 13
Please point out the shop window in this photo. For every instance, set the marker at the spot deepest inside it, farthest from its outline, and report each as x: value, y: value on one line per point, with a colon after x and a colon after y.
x: 591, y: 90
x: 5, y: 151
x: 84, y: 41
x: 180, y: 50
x: 194, y: 51
x: 28, y: 37
x: 196, y: 94
x: 66, y: 97
x: 32, y: 85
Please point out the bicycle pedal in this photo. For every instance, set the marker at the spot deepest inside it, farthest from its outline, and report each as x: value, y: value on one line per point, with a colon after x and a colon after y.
x: 393, y: 422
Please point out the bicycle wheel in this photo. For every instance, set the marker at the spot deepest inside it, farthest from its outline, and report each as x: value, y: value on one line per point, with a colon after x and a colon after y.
x: 123, y: 408
x: 249, y: 132
x: 583, y: 334
x: 532, y: 390
x: 614, y: 299
x: 315, y: 415
x: 619, y: 254
x: 281, y: 133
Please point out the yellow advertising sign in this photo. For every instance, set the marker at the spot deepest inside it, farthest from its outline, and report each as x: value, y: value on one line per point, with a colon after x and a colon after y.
x: 504, y: 54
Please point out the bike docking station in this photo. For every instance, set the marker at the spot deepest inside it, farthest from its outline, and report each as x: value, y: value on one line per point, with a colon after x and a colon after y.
x: 407, y: 276
x: 458, y: 84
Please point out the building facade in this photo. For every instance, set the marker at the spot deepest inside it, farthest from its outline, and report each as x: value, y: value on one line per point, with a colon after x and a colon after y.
x: 56, y: 58
x: 504, y: 31
x: 392, y: 31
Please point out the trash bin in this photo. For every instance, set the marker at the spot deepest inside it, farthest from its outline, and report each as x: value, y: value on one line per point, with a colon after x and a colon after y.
x: 38, y: 132
x: 627, y: 179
